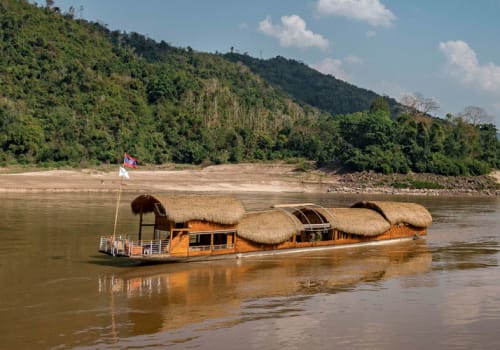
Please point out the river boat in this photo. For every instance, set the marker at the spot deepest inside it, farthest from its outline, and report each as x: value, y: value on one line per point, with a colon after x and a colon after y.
x: 204, y: 227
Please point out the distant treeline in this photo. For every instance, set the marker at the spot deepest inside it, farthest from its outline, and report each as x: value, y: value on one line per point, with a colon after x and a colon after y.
x: 73, y: 92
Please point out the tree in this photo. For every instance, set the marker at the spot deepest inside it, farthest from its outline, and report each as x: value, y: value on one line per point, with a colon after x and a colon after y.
x: 475, y: 115
x: 489, y: 144
x: 379, y: 104
x: 71, y: 12
x: 417, y: 103
x: 436, y: 137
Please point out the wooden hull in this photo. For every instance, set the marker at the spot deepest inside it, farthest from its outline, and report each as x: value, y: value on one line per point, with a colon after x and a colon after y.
x: 167, y: 258
x: 244, y: 248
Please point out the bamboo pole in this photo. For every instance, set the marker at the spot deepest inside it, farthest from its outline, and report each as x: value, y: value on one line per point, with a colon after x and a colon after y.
x: 117, y: 206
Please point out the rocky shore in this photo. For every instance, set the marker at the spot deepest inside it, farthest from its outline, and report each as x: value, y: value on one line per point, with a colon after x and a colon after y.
x: 425, y: 184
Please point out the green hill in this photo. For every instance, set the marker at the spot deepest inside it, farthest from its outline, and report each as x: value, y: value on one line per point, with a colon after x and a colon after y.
x: 312, y: 87
x: 73, y: 92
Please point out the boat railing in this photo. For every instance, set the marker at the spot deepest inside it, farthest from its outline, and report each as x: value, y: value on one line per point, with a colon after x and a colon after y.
x: 103, y: 244
x: 149, y: 247
x: 119, y: 246
x: 202, y: 248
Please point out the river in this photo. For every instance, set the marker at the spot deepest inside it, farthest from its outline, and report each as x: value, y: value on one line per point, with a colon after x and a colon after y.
x: 57, y: 292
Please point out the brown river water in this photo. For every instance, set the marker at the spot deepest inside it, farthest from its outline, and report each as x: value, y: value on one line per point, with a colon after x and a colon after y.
x: 57, y: 292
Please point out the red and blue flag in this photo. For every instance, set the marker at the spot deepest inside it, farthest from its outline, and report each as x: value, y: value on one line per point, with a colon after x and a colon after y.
x: 129, y: 161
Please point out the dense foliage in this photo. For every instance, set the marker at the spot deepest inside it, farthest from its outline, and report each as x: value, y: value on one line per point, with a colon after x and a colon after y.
x: 312, y: 87
x: 74, y: 92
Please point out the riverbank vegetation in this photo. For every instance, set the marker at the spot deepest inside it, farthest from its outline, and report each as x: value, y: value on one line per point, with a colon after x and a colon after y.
x: 75, y: 93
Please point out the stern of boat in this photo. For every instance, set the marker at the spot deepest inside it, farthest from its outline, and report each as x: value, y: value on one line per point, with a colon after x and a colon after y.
x: 125, y: 247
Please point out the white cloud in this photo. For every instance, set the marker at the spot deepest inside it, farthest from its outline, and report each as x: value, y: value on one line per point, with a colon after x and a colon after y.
x: 353, y: 60
x: 371, y: 11
x: 293, y: 33
x: 371, y: 34
x: 462, y: 64
x: 335, y: 66
x: 243, y: 25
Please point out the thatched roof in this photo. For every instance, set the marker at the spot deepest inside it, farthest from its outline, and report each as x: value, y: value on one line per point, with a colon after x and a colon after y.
x: 358, y: 221
x: 268, y: 227
x: 183, y: 208
x: 400, y: 212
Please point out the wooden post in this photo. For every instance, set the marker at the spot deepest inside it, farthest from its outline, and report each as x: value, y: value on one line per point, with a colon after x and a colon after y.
x: 140, y: 224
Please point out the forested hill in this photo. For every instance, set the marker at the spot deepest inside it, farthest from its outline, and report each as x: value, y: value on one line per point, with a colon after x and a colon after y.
x: 312, y: 87
x: 73, y: 92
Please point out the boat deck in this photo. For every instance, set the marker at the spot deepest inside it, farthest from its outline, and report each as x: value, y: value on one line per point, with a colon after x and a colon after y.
x: 119, y: 246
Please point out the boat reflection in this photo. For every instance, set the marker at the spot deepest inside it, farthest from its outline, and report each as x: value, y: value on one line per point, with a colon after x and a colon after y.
x: 155, y: 298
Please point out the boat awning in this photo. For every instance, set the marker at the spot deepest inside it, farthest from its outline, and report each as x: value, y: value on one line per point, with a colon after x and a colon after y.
x: 183, y: 208
x: 269, y: 227
x: 309, y: 214
x: 357, y: 221
x: 399, y: 212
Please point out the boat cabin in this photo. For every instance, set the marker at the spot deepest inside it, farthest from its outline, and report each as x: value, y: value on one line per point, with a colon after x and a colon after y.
x: 182, y: 224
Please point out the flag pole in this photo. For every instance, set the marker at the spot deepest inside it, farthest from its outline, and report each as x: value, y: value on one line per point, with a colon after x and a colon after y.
x: 117, y: 206
x: 127, y: 161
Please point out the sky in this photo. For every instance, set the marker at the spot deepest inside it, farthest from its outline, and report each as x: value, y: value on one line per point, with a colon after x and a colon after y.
x: 447, y: 50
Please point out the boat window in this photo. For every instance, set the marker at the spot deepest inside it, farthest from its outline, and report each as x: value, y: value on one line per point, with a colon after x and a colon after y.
x: 220, y: 238
x: 199, y: 239
x: 215, y: 240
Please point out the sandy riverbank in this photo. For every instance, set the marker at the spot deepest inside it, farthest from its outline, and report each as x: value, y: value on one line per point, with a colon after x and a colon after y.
x: 219, y: 178
x: 227, y: 178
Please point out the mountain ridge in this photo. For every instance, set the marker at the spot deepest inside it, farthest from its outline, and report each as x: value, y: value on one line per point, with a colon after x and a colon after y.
x: 317, y: 89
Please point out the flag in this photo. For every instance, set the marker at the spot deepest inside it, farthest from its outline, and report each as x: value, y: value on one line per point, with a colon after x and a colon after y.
x: 123, y: 173
x: 129, y: 161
